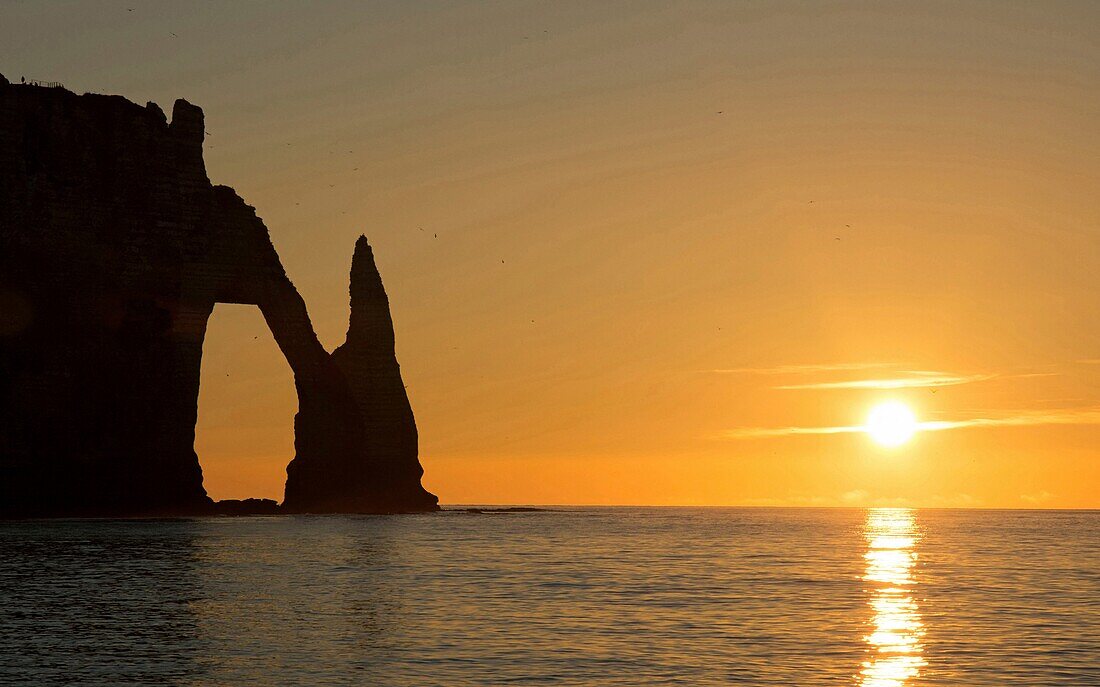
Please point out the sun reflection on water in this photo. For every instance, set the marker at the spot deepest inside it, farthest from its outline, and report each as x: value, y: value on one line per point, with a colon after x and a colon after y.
x: 894, y: 642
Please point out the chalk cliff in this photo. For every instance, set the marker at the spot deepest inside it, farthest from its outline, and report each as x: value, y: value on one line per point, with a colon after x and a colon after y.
x: 114, y: 248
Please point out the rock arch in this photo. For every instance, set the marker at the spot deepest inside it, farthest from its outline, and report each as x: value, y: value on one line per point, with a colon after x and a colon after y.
x: 115, y: 247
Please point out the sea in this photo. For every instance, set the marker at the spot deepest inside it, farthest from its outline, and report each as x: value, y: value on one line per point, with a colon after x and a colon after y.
x: 565, y: 596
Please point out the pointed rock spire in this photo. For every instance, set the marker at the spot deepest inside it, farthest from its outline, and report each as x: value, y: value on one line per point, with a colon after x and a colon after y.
x: 362, y: 436
x: 370, y: 325
x: 381, y: 472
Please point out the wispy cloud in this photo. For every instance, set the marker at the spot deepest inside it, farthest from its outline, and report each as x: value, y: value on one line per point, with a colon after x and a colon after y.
x: 805, y: 369
x: 1082, y: 416
x: 762, y: 432
x: 897, y: 379
x: 1037, y: 498
x: 1079, y: 416
x: 1089, y: 361
x: 861, y: 498
x: 915, y: 379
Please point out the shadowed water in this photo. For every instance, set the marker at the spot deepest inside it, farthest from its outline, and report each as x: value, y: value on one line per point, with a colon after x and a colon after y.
x: 879, y: 598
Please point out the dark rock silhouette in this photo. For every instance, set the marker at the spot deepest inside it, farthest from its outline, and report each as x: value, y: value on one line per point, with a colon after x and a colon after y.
x: 498, y: 511
x: 387, y: 476
x: 114, y: 248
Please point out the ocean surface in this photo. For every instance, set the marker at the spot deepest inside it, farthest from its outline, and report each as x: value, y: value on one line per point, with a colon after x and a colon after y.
x: 574, y: 596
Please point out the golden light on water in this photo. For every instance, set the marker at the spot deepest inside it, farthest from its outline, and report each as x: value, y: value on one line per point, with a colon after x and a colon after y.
x: 896, y: 629
x: 891, y: 423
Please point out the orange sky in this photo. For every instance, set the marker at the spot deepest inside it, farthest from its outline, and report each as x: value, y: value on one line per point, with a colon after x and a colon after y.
x: 666, y: 187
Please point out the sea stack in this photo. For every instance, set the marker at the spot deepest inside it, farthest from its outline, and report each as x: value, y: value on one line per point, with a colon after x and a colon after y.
x: 382, y: 471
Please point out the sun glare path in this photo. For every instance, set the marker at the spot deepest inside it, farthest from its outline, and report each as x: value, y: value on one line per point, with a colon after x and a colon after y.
x: 894, y: 643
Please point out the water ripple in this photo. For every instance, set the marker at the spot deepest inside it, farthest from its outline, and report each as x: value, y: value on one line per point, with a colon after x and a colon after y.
x: 659, y: 596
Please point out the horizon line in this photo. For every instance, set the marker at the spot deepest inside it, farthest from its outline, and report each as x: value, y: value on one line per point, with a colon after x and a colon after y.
x: 548, y: 506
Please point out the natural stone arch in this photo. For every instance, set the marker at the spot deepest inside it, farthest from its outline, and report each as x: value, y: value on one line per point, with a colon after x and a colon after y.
x: 244, y: 434
x: 117, y: 244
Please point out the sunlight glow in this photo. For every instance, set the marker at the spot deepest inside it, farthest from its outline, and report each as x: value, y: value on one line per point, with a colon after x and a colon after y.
x: 891, y: 424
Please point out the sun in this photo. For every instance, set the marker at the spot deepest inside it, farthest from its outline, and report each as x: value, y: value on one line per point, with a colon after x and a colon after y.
x: 891, y: 423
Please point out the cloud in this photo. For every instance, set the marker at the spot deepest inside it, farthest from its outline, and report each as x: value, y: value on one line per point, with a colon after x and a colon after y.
x: 1082, y: 416
x: 902, y: 379
x: 955, y: 501
x: 855, y: 496
x: 762, y: 432
x: 1037, y: 498
x: 788, y: 501
x: 805, y: 369
x: 916, y: 379
x: 861, y: 498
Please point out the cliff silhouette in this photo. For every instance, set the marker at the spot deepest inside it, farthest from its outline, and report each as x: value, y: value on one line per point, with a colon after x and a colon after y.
x: 114, y: 249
